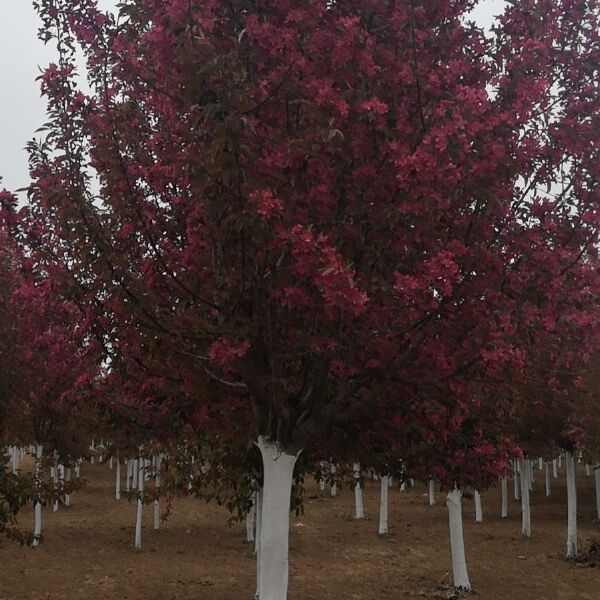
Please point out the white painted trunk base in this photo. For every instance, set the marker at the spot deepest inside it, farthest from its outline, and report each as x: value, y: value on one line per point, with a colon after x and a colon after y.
x: 478, y: 507
x: 554, y: 468
x: 278, y: 470
x: 117, y: 478
x: 460, y: 577
x: 504, y: 496
x: 587, y: 470
x: 547, y: 476
x: 383, y: 505
x: 156, y: 505
x: 572, y: 546
x: 431, y: 492
x: 251, y: 519
x: 525, y: 506
x: 516, y: 480
x: 333, y: 480
x: 359, y: 512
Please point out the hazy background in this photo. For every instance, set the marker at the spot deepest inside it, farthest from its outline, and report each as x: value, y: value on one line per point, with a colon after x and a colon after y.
x: 22, y: 109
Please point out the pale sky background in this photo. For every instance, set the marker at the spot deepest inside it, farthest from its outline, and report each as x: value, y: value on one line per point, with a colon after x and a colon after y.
x: 22, y: 109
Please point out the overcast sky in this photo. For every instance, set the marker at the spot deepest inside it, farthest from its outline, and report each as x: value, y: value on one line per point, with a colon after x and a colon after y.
x: 22, y: 55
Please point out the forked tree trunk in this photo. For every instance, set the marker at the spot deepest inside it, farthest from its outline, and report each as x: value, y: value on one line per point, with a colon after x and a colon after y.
x: 547, y: 474
x: 278, y: 471
x: 571, y: 549
x: 383, y: 506
x: 597, y: 482
x: 140, y: 504
x: 478, y: 507
x: 525, y: 506
x: 460, y: 577
x: 504, y: 495
x: 359, y: 512
x: 37, y: 505
x: 431, y: 492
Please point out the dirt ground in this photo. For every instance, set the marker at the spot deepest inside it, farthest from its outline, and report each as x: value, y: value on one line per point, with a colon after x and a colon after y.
x: 87, y: 553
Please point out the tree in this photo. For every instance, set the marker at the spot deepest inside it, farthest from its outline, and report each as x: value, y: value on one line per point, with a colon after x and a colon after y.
x: 301, y: 199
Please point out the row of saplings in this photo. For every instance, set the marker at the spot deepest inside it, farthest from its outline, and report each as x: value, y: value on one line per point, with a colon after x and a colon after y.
x: 149, y: 476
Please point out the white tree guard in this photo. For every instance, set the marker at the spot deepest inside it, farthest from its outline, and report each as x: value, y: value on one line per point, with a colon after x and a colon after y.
x: 278, y: 471
x: 460, y: 576
x: 572, y: 546
x: 383, y: 505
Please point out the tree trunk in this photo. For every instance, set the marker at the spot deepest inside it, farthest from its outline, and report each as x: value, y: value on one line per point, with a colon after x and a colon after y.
x: 333, y: 480
x: 383, y: 506
x: 68, y: 478
x: 250, y: 519
x: 587, y: 470
x: 516, y: 480
x: 478, y: 507
x: 597, y: 482
x: 504, y: 494
x: 140, y: 505
x: 278, y: 471
x: 460, y: 576
x: 547, y: 474
x: 118, y: 478
x: 571, y: 549
x: 156, y: 505
x: 554, y: 468
x: 525, y: 507
x: 37, y: 505
x: 431, y: 492
x: 359, y: 512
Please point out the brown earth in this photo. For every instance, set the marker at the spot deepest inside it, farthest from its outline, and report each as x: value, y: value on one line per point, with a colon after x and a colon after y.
x: 87, y: 553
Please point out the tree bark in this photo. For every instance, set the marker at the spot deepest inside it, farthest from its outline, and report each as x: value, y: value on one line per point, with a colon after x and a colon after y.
x: 383, y: 506
x: 504, y: 494
x: 571, y: 549
x: 525, y: 506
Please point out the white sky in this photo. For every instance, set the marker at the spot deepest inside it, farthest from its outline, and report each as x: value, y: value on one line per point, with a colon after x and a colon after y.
x: 22, y: 109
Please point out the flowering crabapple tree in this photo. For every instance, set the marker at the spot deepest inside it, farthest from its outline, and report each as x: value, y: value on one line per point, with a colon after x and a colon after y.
x: 296, y: 201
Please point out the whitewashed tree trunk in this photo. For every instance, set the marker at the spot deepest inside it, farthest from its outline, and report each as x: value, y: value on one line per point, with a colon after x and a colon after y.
x: 68, y: 479
x: 15, y: 460
x: 525, y: 506
x: 156, y: 506
x: 403, y: 485
x: 587, y: 470
x: 383, y: 505
x: 516, y: 480
x: 359, y: 512
x: 93, y: 455
x: 597, y: 482
x: 110, y: 463
x: 560, y: 461
x: 37, y: 506
x: 540, y: 463
x: 504, y: 495
x: 431, y: 492
x: 547, y: 475
x: 333, y: 480
x: 478, y: 507
x: 278, y: 471
x: 257, y: 535
x: 78, y: 468
x: 140, y: 505
x: 530, y: 474
x: 390, y: 481
x: 135, y: 483
x: 460, y: 576
x: 554, y: 468
x: 572, y: 548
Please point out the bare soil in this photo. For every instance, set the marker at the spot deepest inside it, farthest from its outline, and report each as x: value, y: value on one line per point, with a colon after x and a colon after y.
x: 88, y: 554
